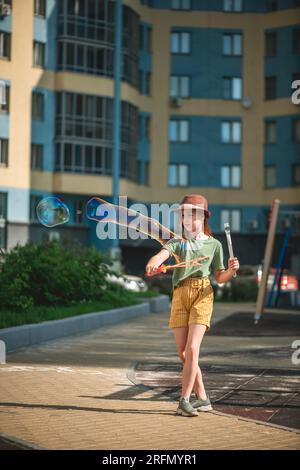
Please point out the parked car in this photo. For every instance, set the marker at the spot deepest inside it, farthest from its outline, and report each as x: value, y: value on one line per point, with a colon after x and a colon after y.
x: 289, y: 282
x: 128, y: 281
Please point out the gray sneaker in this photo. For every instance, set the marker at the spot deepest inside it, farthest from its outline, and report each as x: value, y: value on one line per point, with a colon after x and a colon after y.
x: 202, y: 405
x: 185, y: 408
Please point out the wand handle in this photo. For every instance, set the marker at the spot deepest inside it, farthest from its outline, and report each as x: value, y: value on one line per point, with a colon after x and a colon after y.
x: 230, y: 248
x: 161, y: 269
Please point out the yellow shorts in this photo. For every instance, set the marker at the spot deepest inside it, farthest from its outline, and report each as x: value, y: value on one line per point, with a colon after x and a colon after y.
x: 192, y: 302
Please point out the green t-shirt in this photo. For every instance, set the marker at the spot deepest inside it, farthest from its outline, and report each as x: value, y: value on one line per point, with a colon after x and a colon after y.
x: 190, y: 249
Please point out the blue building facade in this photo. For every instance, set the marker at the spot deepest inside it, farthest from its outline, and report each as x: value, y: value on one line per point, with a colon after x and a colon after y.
x: 187, y: 125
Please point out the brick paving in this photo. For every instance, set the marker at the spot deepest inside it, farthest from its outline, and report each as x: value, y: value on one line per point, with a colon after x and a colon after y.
x: 77, y: 392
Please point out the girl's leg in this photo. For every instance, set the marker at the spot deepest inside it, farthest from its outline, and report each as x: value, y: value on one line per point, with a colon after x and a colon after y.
x: 181, y: 334
x: 190, y: 369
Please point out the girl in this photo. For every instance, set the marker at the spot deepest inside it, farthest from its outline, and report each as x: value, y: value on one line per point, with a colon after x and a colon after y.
x: 192, y: 300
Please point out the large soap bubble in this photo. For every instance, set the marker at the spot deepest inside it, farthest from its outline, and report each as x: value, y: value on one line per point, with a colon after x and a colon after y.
x: 51, y: 211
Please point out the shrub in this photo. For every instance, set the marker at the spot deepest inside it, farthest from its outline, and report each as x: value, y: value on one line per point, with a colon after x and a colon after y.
x: 239, y: 290
x: 47, y: 274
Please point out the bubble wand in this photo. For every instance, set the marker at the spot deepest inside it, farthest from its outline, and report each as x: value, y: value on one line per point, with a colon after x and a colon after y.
x: 51, y: 211
x: 183, y: 264
x: 229, y: 243
x: 102, y: 211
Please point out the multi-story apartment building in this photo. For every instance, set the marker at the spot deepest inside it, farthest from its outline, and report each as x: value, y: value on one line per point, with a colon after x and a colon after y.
x: 206, y: 108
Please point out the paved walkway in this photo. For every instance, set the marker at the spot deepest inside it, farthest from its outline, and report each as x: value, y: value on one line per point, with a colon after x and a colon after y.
x: 78, y: 393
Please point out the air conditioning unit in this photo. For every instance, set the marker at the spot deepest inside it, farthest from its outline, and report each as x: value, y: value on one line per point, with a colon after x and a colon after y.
x: 5, y: 10
x: 247, y: 102
x: 175, y: 102
x: 253, y: 224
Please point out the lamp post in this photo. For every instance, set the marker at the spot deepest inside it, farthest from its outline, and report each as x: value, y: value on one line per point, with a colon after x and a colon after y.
x: 115, y: 249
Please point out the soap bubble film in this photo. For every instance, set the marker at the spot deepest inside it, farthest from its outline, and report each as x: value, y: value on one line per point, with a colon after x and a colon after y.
x: 51, y: 212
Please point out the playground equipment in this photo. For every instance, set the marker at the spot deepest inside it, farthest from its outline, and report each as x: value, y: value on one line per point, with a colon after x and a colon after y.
x: 291, y: 221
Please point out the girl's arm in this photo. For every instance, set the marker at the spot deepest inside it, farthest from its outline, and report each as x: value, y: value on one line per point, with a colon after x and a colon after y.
x: 157, y: 260
x: 223, y: 276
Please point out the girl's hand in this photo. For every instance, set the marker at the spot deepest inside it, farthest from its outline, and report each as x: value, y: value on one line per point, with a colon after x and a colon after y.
x: 152, y: 266
x: 233, y: 264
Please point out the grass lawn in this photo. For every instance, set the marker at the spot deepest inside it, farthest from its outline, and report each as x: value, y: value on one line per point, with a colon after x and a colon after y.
x: 40, y: 314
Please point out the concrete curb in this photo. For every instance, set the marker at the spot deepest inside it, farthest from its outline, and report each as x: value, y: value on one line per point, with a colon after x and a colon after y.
x: 157, y: 304
x: 19, y: 443
x: 28, y: 335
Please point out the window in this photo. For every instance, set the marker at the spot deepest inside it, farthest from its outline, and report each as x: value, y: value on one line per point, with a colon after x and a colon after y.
x: 68, y: 157
x: 34, y: 200
x: 232, y: 88
x: 178, y: 130
x: 78, y: 166
x: 272, y: 5
x: 270, y: 44
x: 3, y: 215
x: 147, y: 127
x: 36, y: 157
x: 180, y: 86
x: 145, y: 83
x: 233, y: 217
x: 3, y: 205
x: 75, y: 7
x: 270, y: 88
x: 88, y: 158
x: 40, y: 8
x: 232, y: 5
x: 148, y: 83
x: 148, y: 39
x: 270, y: 132
x: 87, y: 26
x: 70, y: 58
x: 5, y: 39
x: 145, y: 38
x: 230, y: 176
x: 181, y: 43
x: 146, y: 173
x: 181, y: 4
x: 296, y: 130
x: 37, y: 105
x: 270, y: 176
x: 231, y: 132
x: 296, y: 175
x: 4, y: 100
x: 172, y: 175
x: 141, y: 36
x: 140, y: 128
x: 141, y: 82
x: 232, y: 44
x: 296, y: 41
x: 3, y: 152
x: 178, y: 175
x: 78, y: 212
x: 38, y: 54
x: 88, y: 116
